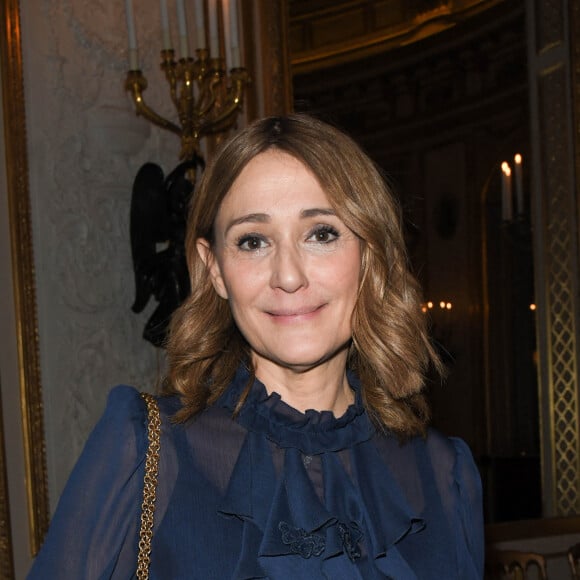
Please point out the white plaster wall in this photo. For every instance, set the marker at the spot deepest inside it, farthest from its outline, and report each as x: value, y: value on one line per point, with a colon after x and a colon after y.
x: 85, y: 146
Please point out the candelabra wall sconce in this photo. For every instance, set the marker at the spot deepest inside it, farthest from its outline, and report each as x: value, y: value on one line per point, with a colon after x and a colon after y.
x: 507, y: 196
x: 208, y: 101
x: 518, y: 322
x: 516, y: 233
x: 214, y: 111
x: 511, y: 315
x: 511, y: 462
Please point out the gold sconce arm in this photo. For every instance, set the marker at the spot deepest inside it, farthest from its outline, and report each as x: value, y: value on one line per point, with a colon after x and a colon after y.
x: 232, y: 104
x: 135, y: 84
x: 207, y: 100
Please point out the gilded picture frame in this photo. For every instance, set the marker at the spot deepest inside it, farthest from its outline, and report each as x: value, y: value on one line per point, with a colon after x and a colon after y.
x: 24, y: 285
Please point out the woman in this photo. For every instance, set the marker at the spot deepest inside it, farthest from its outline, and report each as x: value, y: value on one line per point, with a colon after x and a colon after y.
x: 294, y: 441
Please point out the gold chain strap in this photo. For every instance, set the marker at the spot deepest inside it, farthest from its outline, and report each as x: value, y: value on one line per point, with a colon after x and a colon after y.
x: 149, y: 487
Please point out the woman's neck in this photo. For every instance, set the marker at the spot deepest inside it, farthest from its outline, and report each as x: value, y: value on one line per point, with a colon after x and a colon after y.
x: 323, y: 387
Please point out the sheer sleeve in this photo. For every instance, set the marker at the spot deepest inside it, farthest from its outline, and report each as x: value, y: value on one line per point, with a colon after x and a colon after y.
x: 469, y: 507
x: 93, y: 534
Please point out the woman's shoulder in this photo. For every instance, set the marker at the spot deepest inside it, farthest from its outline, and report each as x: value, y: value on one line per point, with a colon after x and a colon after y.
x: 453, y: 456
x: 449, y: 458
x: 102, y: 498
x: 127, y: 402
x: 123, y: 398
x: 446, y: 450
x: 444, y: 445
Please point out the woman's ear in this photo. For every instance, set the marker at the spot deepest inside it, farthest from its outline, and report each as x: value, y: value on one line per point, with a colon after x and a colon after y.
x: 208, y: 257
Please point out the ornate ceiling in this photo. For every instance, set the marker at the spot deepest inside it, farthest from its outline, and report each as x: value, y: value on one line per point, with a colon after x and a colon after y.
x: 325, y: 33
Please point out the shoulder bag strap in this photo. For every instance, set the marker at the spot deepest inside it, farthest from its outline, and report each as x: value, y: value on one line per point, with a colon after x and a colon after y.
x: 150, y: 486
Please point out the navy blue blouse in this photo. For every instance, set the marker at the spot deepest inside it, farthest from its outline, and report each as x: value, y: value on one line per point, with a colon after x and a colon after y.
x: 273, y: 493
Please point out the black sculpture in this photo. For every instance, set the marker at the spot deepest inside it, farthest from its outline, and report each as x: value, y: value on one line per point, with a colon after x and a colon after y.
x: 158, y: 223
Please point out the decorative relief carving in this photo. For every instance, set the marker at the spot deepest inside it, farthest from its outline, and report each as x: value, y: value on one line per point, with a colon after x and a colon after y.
x: 85, y: 151
x: 560, y: 233
x: 326, y: 33
x: 379, y: 94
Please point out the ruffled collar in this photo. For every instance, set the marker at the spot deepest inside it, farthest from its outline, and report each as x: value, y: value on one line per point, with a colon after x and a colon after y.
x: 312, y: 432
x: 352, y: 532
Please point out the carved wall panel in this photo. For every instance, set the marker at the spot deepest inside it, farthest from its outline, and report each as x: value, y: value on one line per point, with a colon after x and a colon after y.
x: 85, y: 146
x: 466, y: 73
x: 556, y: 248
x: 559, y: 227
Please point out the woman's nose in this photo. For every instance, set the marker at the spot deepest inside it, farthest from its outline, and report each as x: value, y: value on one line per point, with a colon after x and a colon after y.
x: 288, y: 272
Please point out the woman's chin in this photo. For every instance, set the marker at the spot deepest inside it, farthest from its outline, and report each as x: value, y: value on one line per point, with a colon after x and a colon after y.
x: 302, y: 360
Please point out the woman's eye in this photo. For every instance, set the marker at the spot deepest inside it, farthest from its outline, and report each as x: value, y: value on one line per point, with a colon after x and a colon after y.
x: 251, y: 243
x: 324, y: 234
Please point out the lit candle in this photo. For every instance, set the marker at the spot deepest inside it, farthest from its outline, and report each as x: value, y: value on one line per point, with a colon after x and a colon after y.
x: 199, y: 24
x: 133, y: 55
x: 519, y: 184
x: 213, y: 30
x: 182, y: 23
x: 234, y: 34
x: 165, y: 26
x: 506, y: 192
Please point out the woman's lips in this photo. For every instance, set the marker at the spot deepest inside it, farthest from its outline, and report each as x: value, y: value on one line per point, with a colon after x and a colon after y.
x: 295, y: 315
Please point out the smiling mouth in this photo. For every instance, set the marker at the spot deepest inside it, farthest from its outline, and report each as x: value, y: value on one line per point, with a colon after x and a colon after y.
x: 301, y: 313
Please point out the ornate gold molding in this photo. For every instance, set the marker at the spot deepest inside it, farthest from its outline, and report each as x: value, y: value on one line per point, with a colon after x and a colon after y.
x: 557, y: 249
x: 560, y: 231
x: 23, y: 271
x: 327, y: 34
x: 573, y: 34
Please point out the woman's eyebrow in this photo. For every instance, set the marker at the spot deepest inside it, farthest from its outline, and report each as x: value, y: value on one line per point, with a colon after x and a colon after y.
x: 262, y: 218
x: 316, y: 211
x: 251, y: 218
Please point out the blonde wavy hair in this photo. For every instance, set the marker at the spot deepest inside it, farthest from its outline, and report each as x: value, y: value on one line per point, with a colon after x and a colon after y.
x: 390, y: 349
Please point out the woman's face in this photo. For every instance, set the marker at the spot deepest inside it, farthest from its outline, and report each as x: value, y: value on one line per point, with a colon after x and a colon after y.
x: 286, y: 263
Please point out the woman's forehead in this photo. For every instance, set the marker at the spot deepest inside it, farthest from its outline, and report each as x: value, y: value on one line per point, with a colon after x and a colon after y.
x: 274, y: 181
